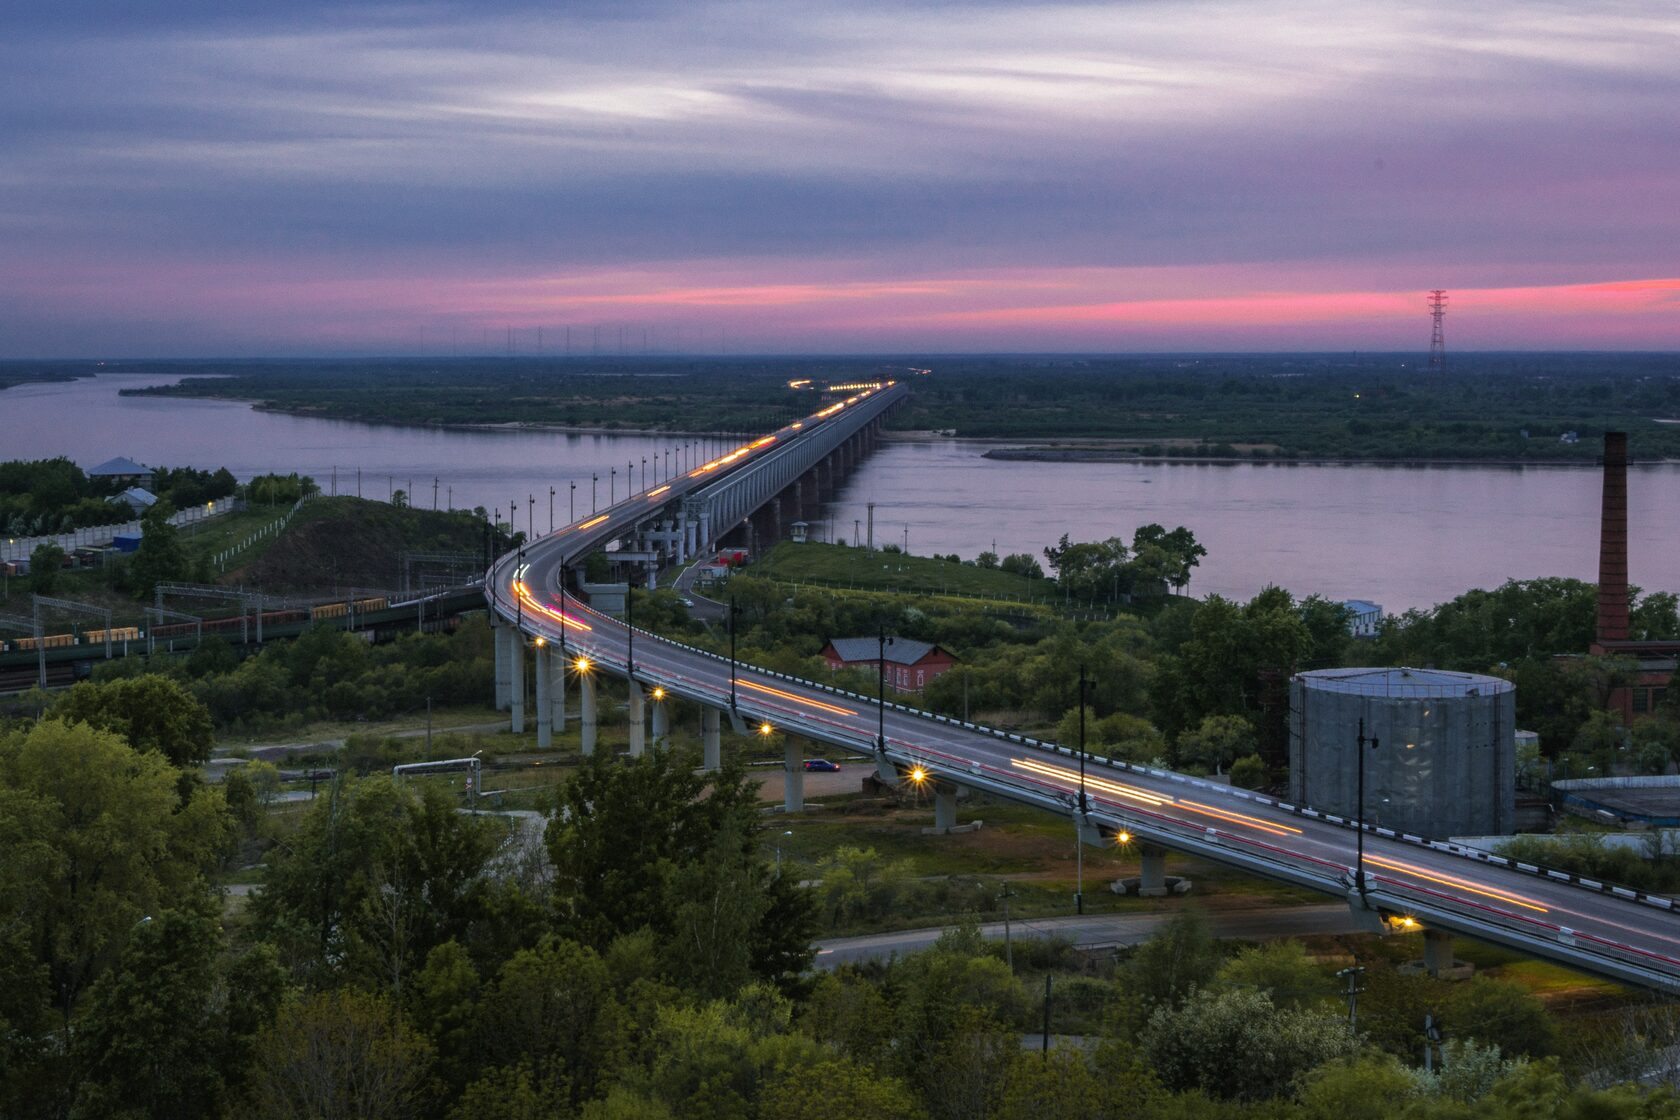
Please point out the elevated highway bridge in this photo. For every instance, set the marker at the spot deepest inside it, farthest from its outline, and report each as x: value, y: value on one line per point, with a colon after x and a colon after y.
x: 1408, y: 882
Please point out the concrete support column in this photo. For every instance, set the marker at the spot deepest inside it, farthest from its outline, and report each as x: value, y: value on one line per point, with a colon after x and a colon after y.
x: 590, y: 713
x: 516, y: 680
x: 793, y: 776
x: 545, y: 708
x: 638, y: 720
x: 711, y: 738
x: 1152, y: 876
x: 944, y: 806
x: 503, y: 640
x: 557, y: 691
x: 1437, y: 952
x: 661, y: 723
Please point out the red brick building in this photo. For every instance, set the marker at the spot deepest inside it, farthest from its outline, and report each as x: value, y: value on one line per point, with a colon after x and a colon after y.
x: 910, y: 664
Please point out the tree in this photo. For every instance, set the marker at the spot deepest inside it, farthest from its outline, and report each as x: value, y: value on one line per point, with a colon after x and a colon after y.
x: 109, y: 827
x: 552, y: 1012
x: 375, y: 876
x: 642, y: 843
x: 1021, y: 564
x: 161, y: 557
x: 987, y: 559
x: 1249, y: 772
x: 168, y: 1028
x: 1181, y: 957
x: 1058, y: 1086
x: 1283, y: 971
x: 45, y: 562
x: 1236, y: 1044
x: 1216, y: 743
x: 152, y: 712
x: 340, y: 1055
x: 837, y: 1089
x: 1502, y: 1014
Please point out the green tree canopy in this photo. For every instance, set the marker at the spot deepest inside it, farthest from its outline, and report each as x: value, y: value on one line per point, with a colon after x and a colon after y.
x: 152, y: 712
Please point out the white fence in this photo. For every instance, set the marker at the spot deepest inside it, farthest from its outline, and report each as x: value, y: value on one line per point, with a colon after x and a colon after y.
x: 19, y: 548
x: 272, y: 529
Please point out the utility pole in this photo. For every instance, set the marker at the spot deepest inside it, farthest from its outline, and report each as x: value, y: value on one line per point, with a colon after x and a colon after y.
x: 434, y: 493
x: 1352, y: 976
x: 1359, y: 837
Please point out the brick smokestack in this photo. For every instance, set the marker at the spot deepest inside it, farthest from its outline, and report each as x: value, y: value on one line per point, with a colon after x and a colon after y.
x: 1612, y: 543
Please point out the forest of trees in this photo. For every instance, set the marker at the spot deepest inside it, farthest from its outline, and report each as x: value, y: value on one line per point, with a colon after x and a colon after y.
x: 640, y: 959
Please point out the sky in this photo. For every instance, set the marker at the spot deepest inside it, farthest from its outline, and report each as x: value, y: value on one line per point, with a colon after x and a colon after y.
x: 204, y: 178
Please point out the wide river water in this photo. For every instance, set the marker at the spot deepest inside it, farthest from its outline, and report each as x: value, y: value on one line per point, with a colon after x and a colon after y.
x: 1404, y: 536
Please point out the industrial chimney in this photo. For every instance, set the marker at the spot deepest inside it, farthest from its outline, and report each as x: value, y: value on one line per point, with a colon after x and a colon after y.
x: 1612, y: 544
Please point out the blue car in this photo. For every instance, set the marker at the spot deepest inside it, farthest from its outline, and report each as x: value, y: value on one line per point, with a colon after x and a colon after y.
x: 821, y: 764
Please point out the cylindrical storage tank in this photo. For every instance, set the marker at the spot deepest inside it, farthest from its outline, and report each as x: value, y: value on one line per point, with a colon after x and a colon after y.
x: 1444, y: 763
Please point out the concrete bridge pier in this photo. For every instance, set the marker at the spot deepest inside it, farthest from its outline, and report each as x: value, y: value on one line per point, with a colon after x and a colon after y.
x: 1152, y: 876
x: 944, y: 806
x: 638, y: 720
x: 516, y: 680
x: 1438, y: 957
x: 589, y: 715
x: 557, y: 691
x: 793, y: 776
x: 545, y: 706
x: 503, y: 635
x: 711, y: 738
x: 660, y: 729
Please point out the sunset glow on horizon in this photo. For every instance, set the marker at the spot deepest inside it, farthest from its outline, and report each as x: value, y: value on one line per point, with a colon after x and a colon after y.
x: 750, y: 178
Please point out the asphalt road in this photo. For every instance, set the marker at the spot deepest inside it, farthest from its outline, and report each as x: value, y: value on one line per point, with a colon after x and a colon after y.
x: 1545, y: 916
x: 1256, y: 924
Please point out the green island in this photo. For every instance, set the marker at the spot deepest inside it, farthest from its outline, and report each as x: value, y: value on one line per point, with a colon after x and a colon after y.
x: 1486, y: 407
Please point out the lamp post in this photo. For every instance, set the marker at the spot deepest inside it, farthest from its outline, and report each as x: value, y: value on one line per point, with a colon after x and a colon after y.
x: 571, y: 510
x: 612, y: 485
x: 630, y: 628
x: 562, y: 607
x: 1359, y: 796
x: 594, y: 478
x: 518, y: 599
x: 882, y: 642
x: 1084, y: 806
x: 733, y: 611
x: 551, y: 509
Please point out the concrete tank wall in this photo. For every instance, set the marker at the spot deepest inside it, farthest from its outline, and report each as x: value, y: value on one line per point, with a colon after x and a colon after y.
x: 1445, y: 764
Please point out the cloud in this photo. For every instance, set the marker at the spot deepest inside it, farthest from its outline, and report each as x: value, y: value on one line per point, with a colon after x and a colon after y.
x: 831, y: 147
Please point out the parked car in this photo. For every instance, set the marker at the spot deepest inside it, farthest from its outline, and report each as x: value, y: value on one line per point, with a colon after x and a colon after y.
x: 821, y: 764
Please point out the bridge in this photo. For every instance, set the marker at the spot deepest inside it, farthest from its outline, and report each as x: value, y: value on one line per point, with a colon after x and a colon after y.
x: 1408, y: 882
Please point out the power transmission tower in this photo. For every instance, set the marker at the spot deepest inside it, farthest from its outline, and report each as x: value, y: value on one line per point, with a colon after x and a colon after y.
x: 1437, y: 340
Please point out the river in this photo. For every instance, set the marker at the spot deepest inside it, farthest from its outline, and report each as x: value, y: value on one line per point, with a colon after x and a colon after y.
x: 1403, y: 536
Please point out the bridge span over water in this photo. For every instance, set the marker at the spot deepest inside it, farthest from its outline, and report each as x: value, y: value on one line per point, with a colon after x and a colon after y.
x: 1409, y: 881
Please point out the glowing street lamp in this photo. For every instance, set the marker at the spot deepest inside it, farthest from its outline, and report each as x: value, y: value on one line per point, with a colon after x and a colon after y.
x: 581, y: 665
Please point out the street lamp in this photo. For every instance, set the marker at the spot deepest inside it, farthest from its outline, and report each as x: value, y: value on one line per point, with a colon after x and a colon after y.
x: 1084, y: 806
x: 571, y: 510
x: 612, y: 485
x: 519, y: 600
x: 562, y: 606
x: 551, y: 509
x: 882, y: 642
x: 779, y: 854
x: 593, y: 479
x: 733, y: 611
x: 1359, y: 838
x: 630, y: 628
